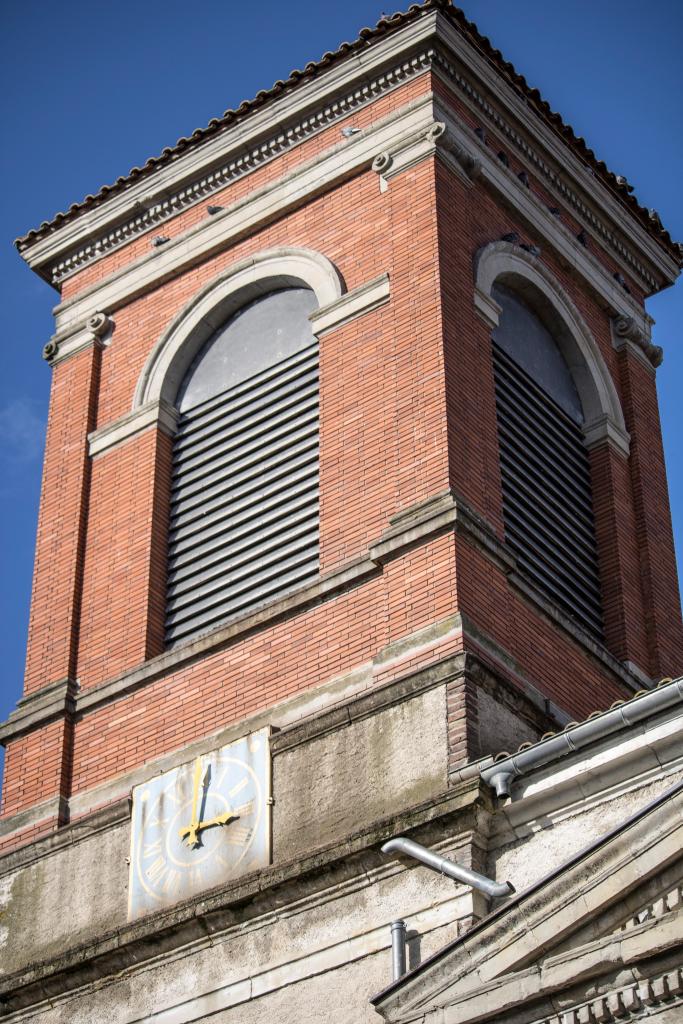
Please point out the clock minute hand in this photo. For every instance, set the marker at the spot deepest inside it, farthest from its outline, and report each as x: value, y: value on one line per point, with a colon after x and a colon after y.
x: 192, y: 829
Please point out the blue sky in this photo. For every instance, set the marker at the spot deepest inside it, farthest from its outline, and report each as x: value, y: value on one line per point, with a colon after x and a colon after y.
x: 89, y: 91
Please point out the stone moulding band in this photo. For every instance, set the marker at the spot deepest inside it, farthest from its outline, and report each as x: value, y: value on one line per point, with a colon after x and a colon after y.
x: 366, y: 298
x: 158, y: 415
x: 440, y: 514
x: 243, y: 151
x: 190, y: 923
x: 160, y: 377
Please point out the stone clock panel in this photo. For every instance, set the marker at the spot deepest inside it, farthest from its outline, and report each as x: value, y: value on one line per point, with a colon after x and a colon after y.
x: 200, y: 825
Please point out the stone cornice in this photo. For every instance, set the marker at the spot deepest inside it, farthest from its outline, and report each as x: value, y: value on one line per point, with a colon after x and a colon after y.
x: 429, y: 43
x: 134, y: 944
x: 415, y: 525
x: 560, y: 169
x: 412, y: 126
x: 217, y: 233
x: 195, y: 176
x: 531, y: 209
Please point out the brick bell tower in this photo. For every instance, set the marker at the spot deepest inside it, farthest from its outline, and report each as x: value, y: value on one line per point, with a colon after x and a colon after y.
x: 353, y: 478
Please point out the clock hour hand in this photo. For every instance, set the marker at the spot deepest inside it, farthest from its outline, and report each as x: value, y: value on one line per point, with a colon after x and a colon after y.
x: 192, y: 831
x: 220, y: 819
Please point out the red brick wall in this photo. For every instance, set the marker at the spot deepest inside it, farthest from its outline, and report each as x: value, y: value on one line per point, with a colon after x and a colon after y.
x: 654, y: 535
x: 37, y: 767
x: 407, y: 409
x: 55, y: 603
x: 124, y: 592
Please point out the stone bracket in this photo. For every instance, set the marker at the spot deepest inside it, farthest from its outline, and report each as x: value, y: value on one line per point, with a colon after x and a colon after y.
x: 97, y: 329
x: 364, y: 299
x: 628, y: 334
x: 412, y: 149
x: 58, y: 700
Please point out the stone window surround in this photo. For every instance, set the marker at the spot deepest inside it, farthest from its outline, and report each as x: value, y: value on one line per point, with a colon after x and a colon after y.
x: 508, y: 263
x: 171, y: 356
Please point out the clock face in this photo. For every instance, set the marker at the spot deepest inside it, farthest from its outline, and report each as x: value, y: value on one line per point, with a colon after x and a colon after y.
x: 200, y: 824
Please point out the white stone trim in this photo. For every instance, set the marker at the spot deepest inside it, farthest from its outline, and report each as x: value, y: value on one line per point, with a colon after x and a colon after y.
x: 215, y: 234
x: 603, y: 429
x: 286, y: 121
x: 348, y: 949
x: 206, y: 311
x: 364, y: 299
x: 602, y: 409
x: 158, y: 414
x: 569, y: 178
x: 283, y: 122
x: 487, y: 308
x: 97, y: 329
x: 628, y: 333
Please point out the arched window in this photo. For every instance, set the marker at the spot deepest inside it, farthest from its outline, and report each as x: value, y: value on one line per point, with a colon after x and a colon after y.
x: 244, y: 504
x: 547, y: 502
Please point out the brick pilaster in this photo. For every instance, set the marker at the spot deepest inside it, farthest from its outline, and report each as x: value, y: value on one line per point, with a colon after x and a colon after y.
x: 58, y: 570
x: 652, y: 517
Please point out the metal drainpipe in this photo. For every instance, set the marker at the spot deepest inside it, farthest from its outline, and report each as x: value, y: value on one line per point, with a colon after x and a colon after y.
x: 501, y: 775
x: 448, y: 867
x: 398, y: 949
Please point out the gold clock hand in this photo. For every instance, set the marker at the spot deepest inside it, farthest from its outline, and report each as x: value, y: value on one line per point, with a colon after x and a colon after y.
x: 193, y: 828
x: 220, y: 819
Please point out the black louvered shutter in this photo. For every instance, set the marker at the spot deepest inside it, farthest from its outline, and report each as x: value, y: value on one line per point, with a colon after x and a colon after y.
x: 244, y: 505
x: 547, y: 501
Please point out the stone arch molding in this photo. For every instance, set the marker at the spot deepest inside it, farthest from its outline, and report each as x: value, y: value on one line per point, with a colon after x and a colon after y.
x: 507, y: 263
x: 157, y: 386
x: 206, y: 311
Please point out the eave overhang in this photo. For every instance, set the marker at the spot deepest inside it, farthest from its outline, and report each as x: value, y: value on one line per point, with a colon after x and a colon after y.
x: 330, y: 90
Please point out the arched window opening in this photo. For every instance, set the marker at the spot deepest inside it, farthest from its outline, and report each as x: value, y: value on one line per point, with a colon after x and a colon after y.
x: 244, y: 501
x: 545, y: 471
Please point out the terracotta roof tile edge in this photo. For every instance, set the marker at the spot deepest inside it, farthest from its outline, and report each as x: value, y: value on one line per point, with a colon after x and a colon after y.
x: 616, y: 183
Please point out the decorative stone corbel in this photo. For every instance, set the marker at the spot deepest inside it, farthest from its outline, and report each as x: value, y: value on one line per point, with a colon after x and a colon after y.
x: 100, y: 324
x: 413, y: 149
x: 627, y: 333
x: 459, y: 157
x: 96, y: 330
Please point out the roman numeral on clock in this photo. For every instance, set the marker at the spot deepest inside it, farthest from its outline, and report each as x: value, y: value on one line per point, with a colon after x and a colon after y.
x: 238, y: 835
x: 151, y: 849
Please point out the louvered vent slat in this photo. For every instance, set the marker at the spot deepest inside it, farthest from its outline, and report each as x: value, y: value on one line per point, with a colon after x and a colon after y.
x: 547, y: 503
x: 244, y: 499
